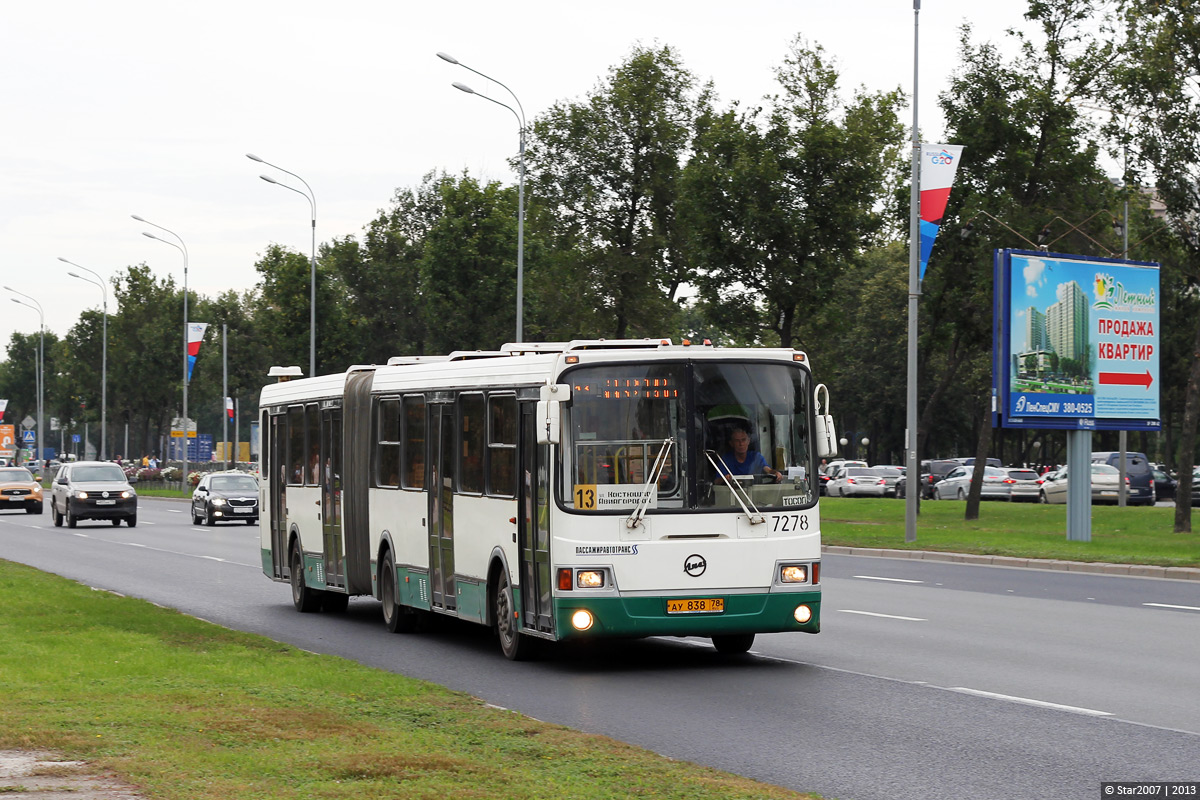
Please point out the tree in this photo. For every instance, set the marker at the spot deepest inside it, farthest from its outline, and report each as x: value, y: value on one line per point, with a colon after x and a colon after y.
x: 778, y: 204
x: 1155, y: 89
x: 610, y: 167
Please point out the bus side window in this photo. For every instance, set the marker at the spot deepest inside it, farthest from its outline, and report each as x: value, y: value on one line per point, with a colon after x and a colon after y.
x: 472, y: 424
x: 502, y: 446
x: 296, y: 448
x: 388, y: 444
x: 414, y: 442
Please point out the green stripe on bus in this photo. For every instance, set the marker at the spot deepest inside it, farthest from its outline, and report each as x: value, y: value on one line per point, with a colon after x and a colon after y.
x: 647, y: 616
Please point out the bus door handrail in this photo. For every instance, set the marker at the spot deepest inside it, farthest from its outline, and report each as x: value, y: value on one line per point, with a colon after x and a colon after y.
x: 738, y: 492
x: 651, y: 485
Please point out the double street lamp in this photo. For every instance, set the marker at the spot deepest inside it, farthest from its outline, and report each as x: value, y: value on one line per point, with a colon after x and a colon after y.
x: 519, y: 113
x: 36, y: 306
x: 311, y: 197
x: 182, y: 248
x: 98, y: 281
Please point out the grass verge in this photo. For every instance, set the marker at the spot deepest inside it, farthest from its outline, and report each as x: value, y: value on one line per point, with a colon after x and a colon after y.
x: 186, y: 709
x: 1131, y: 535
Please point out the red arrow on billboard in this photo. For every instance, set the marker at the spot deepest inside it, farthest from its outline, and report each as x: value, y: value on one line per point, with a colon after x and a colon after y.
x: 1127, y: 378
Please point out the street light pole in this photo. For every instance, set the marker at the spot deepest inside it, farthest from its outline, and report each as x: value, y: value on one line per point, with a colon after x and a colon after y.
x: 104, y: 357
x: 182, y: 248
x: 36, y: 306
x: 520, y: 182
x: 311, y: 197
x: 913, y: 480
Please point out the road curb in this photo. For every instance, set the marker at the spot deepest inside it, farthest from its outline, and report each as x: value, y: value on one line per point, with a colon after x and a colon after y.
x: 1094, y: 567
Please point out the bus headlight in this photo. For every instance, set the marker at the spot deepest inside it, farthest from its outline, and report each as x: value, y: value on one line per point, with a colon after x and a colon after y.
x: 589, y: 579
x: 582, y: 619
x: 794, y: 573
x: 802, y: 614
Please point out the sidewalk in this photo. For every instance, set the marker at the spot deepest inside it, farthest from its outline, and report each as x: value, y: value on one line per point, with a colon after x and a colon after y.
x: 1099, y: 568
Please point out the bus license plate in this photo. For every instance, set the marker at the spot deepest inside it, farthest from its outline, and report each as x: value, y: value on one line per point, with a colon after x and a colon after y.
x: 697, y: 605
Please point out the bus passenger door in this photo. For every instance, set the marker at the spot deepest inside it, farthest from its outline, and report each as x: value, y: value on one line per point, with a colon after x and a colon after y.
x: 276, y: 472
x: 331, y: 495
x: 533, y: 531
x: 441, y: 505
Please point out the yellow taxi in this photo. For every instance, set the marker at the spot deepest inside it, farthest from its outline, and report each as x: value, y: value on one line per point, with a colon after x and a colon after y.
x: 19, y: 490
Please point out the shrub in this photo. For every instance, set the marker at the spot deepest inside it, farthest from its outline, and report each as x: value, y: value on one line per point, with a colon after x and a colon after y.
x: 148, y: 474
x: 172, y: 474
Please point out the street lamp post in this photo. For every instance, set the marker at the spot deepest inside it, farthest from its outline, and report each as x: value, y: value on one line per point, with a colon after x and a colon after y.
x: 182, y: 248
x: 36, y: 306
x: 104, y: 357
x: 311, y: 197
x: 520, y: 182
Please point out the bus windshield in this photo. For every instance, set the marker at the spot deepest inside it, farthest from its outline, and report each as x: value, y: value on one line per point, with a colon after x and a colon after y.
x: 698, y: 434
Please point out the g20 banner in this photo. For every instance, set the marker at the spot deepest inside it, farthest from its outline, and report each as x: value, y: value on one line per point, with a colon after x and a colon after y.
x: 1076, y: 342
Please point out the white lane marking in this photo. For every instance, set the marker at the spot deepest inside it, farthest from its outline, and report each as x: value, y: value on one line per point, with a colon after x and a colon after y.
x: 1168, y: 605
x: 214, y: 558
x: 133, y: 544
x: 174, y: 511
x: 1030, y: 702
x: 885, y: 616
x: 891, y: 580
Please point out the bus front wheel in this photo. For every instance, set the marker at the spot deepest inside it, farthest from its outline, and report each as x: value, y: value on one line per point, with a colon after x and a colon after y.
x: 516, y: 645
x: 734, y: 643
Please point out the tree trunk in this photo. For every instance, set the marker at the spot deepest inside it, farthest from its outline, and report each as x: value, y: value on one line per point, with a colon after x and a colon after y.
x: 981, y: 451
x: 955, y: 360
x: 1187, y: 442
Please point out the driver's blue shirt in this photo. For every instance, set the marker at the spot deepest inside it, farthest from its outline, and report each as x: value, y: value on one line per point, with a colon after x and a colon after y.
x: 754, y: 463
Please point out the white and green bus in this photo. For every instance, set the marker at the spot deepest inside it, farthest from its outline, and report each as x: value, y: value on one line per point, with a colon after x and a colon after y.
x: 554, y: 491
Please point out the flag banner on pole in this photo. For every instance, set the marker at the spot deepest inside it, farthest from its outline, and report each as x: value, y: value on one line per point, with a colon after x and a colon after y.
x: 939, y: 162
x: 195, y: 335
x: 229, y: 407
x: 3, y: 406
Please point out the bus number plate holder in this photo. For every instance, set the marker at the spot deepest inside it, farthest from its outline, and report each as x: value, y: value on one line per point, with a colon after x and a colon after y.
x: 697, y: 605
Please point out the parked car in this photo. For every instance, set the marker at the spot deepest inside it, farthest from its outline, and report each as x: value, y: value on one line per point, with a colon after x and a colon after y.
x: 1104, y: 480
x: 19, y: 490
x: 1026, y: 484
x: 933, y: 471
x: 1137, y: 469
x: 957, y: 484
x: 92, y: 490
x: 856, y: 481
x: 225, y: 496
x: 970, y: 462
x: 1164, y: 484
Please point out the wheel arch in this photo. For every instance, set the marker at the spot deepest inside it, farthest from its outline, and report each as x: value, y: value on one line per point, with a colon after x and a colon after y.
x: 497, y: 563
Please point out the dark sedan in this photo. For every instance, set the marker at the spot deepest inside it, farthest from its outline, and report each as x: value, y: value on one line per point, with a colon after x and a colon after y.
x: 225, y: 496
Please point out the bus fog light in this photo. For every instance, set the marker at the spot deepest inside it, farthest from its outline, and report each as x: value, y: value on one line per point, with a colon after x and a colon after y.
x: 794, y: 573
x: 590, y: 579
x: 802, y: 614
x: 582, y: 620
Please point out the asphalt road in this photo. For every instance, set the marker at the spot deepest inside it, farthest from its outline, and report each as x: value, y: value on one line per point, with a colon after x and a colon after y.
x: 930, y: 680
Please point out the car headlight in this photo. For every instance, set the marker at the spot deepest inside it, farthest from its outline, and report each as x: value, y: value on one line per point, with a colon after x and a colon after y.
x: 218, y: 501
x: 128, y: 493
x: 81, y: 495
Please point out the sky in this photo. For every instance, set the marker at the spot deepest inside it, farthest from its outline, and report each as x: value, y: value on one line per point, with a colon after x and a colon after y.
x: 148, y: 108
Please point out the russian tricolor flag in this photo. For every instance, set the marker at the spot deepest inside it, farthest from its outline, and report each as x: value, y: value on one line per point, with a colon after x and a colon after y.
x: 229, y: 407
x: 195, y: 335
x: 939, y: 162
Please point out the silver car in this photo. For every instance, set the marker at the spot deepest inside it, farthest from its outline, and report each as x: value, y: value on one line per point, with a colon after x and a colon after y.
x: 957, y: 484
x: 856, y: 482
x: 1105, y: 482
x: 1026, y: 484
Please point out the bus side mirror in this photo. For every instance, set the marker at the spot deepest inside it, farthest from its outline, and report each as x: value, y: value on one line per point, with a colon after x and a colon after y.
x: 549, y: 413
x: 826, y: 435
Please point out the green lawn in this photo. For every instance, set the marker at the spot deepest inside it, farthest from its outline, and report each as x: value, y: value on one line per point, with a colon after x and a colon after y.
x: 187, y: 710
x: 1131, y: 535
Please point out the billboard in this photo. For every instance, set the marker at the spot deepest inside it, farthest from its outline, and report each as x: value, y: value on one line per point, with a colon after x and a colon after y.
x: 1076, y: 342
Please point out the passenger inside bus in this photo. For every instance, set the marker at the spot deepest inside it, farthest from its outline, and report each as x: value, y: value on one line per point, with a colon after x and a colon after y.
x: 739, y: 459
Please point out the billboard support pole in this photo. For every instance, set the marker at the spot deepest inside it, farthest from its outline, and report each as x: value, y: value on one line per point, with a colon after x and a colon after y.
x: 1079, y: 486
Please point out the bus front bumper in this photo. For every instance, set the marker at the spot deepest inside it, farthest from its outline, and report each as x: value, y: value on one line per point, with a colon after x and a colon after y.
x: 773, y: 612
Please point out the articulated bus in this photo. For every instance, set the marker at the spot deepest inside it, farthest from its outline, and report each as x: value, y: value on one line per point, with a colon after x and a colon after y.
x: 554, y: 491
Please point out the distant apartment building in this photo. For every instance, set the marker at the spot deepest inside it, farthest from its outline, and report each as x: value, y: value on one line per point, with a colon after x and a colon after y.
x: 1035, y: 330
x: 1067, y: 323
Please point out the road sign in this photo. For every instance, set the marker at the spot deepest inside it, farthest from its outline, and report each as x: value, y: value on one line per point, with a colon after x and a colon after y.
x: 28, y: 423
x: 29, y: 437
x: 75, y: 438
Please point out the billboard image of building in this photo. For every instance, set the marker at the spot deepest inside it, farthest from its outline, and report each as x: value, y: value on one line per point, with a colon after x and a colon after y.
x: 1076, y: 342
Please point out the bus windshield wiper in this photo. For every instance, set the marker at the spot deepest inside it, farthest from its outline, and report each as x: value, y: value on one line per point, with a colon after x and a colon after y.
x: 738, y: 492
x: 651, y: 485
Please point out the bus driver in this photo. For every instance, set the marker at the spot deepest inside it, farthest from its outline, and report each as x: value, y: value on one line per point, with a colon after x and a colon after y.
x: 741, y: 460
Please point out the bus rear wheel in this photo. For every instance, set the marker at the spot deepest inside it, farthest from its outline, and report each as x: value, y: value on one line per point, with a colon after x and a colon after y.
x: 733, y: 643
x: 396, y: 617
x: 305, y: 598
x: 515, y: 645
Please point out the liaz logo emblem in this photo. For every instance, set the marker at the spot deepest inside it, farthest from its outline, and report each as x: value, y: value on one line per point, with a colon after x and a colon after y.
x: 695, y: 565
